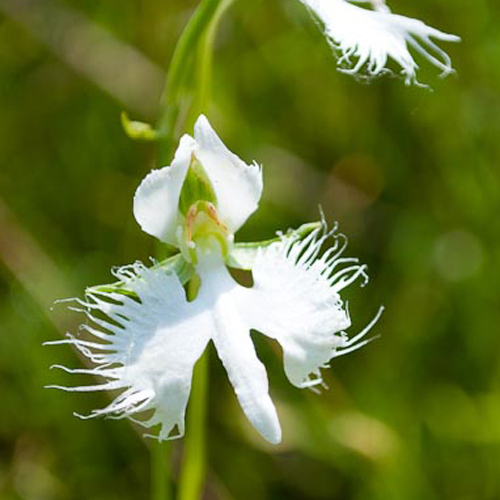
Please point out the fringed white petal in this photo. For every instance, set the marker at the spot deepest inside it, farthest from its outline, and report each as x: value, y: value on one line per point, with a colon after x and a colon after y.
x: 156, y: 201
x: 237, y: 186
x: 295, y: 300
x: 147, y: 346
x: 366, y: 39
x: 236, y: 350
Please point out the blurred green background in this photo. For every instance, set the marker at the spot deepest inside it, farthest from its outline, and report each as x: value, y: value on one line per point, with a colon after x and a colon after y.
x: 412, y: 176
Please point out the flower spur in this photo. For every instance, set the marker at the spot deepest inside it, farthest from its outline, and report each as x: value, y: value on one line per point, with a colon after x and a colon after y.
x: 147, y: 335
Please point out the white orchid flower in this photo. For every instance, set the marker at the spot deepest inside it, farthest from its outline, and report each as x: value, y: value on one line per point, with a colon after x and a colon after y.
x: 147, y: 336
x: 366, y: 39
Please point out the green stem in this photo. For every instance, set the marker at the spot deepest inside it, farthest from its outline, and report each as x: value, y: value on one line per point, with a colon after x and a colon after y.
x: 160, y: 455
x: 194, y: 466
x: 194, y: 459
x: 204, y: 66
x: 179, y: 68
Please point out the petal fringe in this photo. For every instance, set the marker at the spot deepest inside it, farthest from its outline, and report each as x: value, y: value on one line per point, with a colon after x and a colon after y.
x: 146, y: 345
x: 295, y: 300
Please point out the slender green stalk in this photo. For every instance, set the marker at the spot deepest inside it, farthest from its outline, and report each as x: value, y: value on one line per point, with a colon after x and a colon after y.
x: 179, y: 67
x: 194, y: 464
x: 160, y: 481
x: 185, y: 48
x: 204, y: 65
x: 194, y: 458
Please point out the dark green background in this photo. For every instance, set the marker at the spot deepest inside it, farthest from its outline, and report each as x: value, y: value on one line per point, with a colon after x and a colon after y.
x: 411, y: 175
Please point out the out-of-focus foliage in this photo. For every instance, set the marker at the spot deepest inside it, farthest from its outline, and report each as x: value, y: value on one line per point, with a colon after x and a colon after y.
x: 412, y: 176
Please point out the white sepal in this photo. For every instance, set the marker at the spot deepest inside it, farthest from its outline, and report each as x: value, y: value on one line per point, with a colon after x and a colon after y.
x: 237, y: 186
x: 156, y: 200
x: 367, y: 39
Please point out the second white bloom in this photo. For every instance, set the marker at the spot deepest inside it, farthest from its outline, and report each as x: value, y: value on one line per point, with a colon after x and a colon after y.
x: 367, y: 39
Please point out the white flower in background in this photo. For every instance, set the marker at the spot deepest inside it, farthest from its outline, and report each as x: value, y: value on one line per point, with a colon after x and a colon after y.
x: 366, y: 39
x: 147, y: 336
